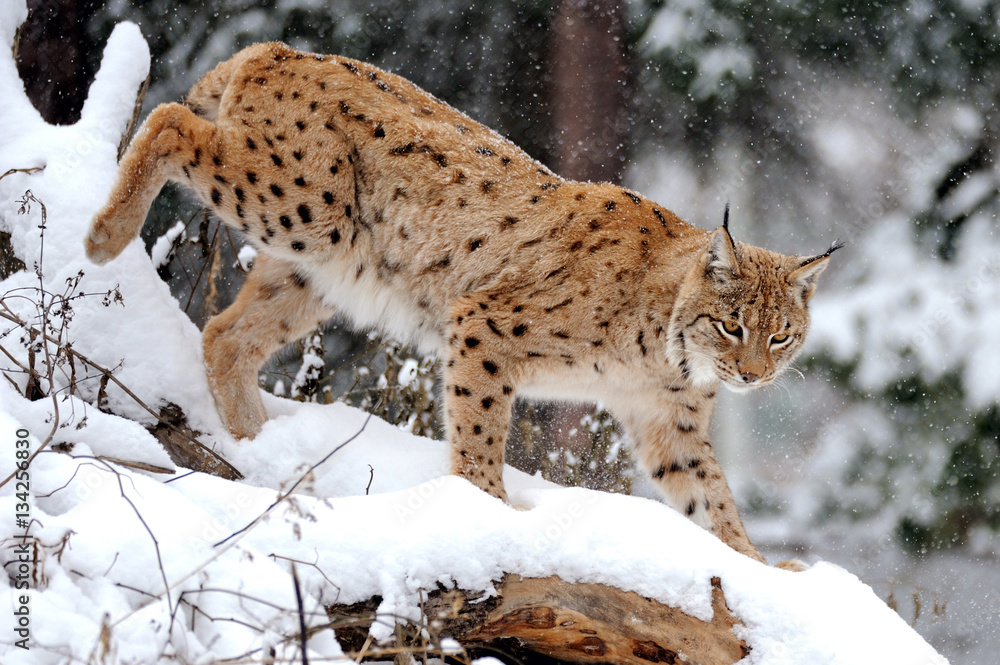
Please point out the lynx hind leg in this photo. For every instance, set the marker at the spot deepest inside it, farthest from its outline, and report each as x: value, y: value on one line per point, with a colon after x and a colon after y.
x: 163, y: 147
x: 671, y: 442
x: 275, y: 307
x: 479, y: 382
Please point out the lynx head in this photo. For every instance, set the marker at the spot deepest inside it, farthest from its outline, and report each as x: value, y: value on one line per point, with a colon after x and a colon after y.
x: 742, y: 313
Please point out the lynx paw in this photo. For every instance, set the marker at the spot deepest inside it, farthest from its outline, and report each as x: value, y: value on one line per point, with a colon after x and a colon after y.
x: 793, y: 565
x: 96, y: 244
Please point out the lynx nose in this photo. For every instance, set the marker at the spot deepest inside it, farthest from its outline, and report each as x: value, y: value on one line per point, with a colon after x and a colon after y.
x: 749, y: 377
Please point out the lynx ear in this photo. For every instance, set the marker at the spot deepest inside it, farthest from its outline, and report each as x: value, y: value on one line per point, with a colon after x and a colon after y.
x: 720, y: 260
x: 804, y: 278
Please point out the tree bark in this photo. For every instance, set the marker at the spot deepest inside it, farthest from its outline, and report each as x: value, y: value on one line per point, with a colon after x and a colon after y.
x: 51, y: 57
x: 576, y: 623
x: 589, y: 101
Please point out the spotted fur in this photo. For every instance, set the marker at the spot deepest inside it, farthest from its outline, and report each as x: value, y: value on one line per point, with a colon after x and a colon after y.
x: 366, y: 196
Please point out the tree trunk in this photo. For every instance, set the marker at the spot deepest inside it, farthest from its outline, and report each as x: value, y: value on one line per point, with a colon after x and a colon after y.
x: 577, y: 623
x: 589, y: 102
x: 51, y: 57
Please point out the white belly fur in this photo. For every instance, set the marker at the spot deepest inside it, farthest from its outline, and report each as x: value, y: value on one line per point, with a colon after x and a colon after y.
x: 371, y: 303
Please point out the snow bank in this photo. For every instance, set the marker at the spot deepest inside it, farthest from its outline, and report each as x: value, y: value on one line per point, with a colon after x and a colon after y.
x: 131, y: 566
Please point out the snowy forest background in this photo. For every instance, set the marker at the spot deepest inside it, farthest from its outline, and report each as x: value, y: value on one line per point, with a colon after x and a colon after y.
x: 874, y: 123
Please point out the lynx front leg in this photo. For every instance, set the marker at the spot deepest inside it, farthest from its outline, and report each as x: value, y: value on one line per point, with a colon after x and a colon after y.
x: 478, y: 400
x: 169, y: 141
x: 671, y: 442
x: 276, y: 306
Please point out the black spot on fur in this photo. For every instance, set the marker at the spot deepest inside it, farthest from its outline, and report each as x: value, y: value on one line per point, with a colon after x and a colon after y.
x: 379, y: 133
x: 519, y: 330
x: 216, y: 196
x: 251, y: 177
x: 477, y: 429
x: 659, y: 473
x: 304, y: 213
x: 490, y: 367
x: 298, y: 246
x: 487, y: 402
x: 300, y: 181
x: 347, y: 211
x: 297, y: 155
x: 239, y: 194
x: 610, y: 206
x: 691, y: 508
x: 683, y: 427
x: 471, y: 342
x: 301, y: 125
x: 475, y: 244
x: 251, y: 144
x: 275, y: 159
x: 219, y: 178
x: 335, y: 236
x: 286, y: 221
x: 493, y: 326
x: 277, y: 191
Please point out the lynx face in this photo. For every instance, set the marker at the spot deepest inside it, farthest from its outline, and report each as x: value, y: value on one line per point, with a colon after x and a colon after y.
x: 742, y: 315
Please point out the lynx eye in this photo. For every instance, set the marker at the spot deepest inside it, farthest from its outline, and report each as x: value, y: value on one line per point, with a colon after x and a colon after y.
x: 733, y: 328
x: 779, y: 339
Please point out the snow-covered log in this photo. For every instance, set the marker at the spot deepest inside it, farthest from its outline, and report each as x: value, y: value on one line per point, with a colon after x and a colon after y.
x: 120, y: 564
x: 578, y: 623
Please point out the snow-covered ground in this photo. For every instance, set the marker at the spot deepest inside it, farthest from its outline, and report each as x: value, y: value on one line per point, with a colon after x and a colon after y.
x: 133, y: 566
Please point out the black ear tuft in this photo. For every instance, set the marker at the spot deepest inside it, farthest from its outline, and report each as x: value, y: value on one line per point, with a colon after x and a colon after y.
x: 838, y: 244
x: 725, y: 218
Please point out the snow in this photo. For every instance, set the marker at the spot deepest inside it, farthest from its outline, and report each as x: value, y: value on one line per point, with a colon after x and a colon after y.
x: 137, y: 566
x: 927, y: 326
x: 159, y: 255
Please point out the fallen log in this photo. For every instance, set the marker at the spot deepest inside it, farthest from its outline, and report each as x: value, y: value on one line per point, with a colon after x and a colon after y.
x: 577, y: 623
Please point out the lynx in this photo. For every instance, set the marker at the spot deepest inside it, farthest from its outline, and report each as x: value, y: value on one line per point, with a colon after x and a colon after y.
x: 368, y: 197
